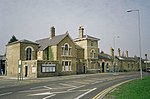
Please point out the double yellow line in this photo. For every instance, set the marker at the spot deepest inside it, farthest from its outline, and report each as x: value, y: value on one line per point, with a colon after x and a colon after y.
x: 106, y: 91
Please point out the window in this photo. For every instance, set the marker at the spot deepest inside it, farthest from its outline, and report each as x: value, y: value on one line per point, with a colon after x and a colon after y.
x: 92, y: 53
x: 92, y: 66
x: 92, y: 43
x: 28, y: 53
x: 66, y: 65
x: 46, y: 68
x: 66, y: 49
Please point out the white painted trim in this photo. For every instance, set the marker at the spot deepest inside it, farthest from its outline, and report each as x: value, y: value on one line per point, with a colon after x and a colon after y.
x: 29, y: 47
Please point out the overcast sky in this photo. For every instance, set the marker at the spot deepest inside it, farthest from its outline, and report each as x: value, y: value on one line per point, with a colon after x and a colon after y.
x: 104, y: 19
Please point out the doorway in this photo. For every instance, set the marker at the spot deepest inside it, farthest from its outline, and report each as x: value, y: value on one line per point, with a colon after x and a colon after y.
x: 26, y: 71
x: 84, y: 69
x: 103, y: 64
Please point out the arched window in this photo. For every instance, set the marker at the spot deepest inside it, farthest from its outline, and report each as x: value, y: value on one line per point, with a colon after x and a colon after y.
x: 28, y: 53
x: 92, y: 53
x: 66, y: 49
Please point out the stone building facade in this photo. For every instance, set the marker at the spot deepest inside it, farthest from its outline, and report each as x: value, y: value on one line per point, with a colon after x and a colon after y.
x: 90, y: 46
x: 61, y: 55
x: 55, y: 55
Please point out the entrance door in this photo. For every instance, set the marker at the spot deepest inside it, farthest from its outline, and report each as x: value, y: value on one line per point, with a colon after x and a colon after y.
x: 103, y: 64
x: 84, y: 69
x: 26, y: 71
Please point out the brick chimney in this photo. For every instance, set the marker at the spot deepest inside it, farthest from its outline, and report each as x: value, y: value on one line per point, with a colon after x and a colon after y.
x: 111, y: 51
x: 119, y: 52
x: 81, y: 32
x: 127, y: 53
x: 52, y: 32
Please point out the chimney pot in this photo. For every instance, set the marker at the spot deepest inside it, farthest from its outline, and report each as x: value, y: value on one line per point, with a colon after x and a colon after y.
x: 127, y: 53
x: 81, y: 32
x: 119, y: 53
x: 111, y: 51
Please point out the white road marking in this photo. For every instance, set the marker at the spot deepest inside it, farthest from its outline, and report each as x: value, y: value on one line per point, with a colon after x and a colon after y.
x: 40, y: 94
x: 32, y: 90
x: 85, y: 93
x: 5, y: 93
x: 96, y: 82
x: 37, y: 87
x: 80, y: 82
x: 49, y: 96
x: 47, y: 87
x: 67, y: 85
x: 27, y: 91
x: 90, y: 81
x: 76, y: 87
x: 41, y: 87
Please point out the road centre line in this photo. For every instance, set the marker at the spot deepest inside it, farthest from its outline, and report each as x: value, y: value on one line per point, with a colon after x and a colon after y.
x: 85, y: 93
x: 5, y: 93
x: 67, y: 85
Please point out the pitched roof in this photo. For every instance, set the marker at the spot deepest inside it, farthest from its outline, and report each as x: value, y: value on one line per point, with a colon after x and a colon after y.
x: 78, y: 47
x: 104, y: 56
x: 44, y: 43
x: 126, y: 58
x: 85, y: 37
x: 22, y: 41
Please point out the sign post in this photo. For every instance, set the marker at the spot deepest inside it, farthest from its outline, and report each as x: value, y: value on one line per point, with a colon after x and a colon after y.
x: 20, y: 70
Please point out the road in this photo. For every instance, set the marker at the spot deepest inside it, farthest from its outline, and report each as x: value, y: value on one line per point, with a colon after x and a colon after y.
x: 69, y: 87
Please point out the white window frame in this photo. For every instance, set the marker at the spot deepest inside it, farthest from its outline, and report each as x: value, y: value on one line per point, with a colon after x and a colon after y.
x: 48, y: 68
x: 92, y: 53
x: 66, y: 67
x: 69, y: 51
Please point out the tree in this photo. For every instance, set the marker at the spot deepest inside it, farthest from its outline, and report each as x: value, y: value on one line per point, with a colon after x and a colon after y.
x: 13, y: 39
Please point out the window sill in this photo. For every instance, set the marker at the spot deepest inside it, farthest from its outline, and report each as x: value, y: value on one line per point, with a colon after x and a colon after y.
x: 66, y: 55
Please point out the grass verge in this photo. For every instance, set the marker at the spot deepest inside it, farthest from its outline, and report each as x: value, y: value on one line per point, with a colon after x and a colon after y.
x: 136, y: 89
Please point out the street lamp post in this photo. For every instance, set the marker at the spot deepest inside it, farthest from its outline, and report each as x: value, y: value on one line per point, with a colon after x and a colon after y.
x: 146, y: 62
x: 114, y: 39
x: 139, y: 28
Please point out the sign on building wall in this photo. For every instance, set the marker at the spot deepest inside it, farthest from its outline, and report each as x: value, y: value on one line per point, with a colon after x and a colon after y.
x: 48, y: 68
x: 19, y: 66
x: 33, y: 69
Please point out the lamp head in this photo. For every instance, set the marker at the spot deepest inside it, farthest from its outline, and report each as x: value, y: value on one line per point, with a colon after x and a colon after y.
x: 129, y: 11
